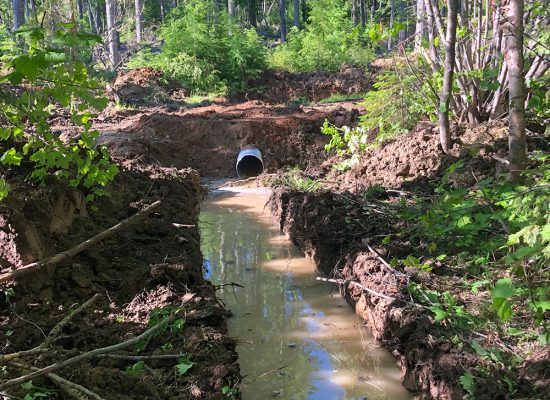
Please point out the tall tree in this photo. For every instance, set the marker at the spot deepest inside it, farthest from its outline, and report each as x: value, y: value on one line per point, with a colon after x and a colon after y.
x: 231, y: 8
x: 513, y: 31
x: 282, y: 18
x: 252, y: 18
x: 112, y: 33
x: 354, y: 16
x: 420, y: 25
x: 445, y: 97
x: 297, y: 13
x: 363, y: 11
x: 18, y: 7
x: 139, y: 21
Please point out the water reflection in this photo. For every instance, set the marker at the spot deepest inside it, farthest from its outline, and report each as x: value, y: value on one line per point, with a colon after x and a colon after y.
x: 298, y: 337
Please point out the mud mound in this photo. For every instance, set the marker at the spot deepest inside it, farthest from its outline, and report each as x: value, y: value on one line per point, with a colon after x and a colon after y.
x: 145, y: 85
x: 283, y: 87
x: 208, y: 139
x: 154, y: 264
x: 408, y: 159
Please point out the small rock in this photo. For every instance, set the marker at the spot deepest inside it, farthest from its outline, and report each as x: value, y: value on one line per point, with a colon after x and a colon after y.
x: 277, y: 393
x: 292, y: 345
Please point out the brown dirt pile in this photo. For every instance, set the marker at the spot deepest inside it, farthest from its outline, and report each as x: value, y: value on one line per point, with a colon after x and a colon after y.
x: 154, y: 264
x: 208, y: 139
x: 283, y: 87
x: 145, y: 86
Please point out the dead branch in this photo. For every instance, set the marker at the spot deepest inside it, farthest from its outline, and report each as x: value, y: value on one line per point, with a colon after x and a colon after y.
x: 56, y: 331
x: 142, y: 358
x: 103, y: 350
x: 21, y: 354
x: 366, y: 289
x: 384, y: 262
x: 74, y: 390
x: 56, y: 259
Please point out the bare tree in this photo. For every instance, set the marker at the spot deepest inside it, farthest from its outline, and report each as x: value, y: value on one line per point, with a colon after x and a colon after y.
x: 513, y: 31
x: 445, y: 97
x: 112, y: 34
x: 282, y: 17
x: 139, y: 22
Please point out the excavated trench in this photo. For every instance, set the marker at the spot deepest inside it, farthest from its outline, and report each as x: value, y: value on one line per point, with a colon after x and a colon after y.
x: 297, y: 337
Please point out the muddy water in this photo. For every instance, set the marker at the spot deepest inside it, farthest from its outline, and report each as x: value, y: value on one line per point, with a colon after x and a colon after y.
x: 298, y: 338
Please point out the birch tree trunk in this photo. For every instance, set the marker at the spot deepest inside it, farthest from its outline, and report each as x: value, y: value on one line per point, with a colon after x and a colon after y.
x: 420, y: 30
x: 513, y: 31
x: 231, y: 8
x: 445, y: 97
x: 112, y: 34
x: 139, y: 22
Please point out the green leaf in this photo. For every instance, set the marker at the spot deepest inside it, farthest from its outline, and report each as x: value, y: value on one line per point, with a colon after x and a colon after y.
x: 503, y: 308
x: 184, y: 365
x: 503, y: 289
x: 11, y: 157
x: 443, y: 108
x: 467, y: 381
x: 440, y: 314
x: 478, y: 349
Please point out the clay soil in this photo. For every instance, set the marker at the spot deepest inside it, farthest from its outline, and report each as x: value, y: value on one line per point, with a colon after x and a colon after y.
x: 335, y: 226
x: 155, y: 264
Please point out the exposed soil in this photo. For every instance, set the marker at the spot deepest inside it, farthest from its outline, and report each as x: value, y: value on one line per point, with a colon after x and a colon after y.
x: 334, y: 228
x: 209, y: 138
x: 147, y: 86
x: 155, y: 264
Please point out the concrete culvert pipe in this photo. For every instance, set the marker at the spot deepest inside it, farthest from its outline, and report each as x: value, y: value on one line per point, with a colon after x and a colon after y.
x: 249, y: 163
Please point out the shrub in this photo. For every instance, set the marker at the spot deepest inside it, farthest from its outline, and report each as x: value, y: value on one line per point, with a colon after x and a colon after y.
x: 328, y: 41
x: 205, y: 50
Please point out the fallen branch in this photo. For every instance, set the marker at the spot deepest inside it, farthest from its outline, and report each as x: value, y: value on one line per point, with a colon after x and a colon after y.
x: 384, y: 262
x: 142, y: 358
x: 56, y: 331
x: 74, y: 390
x: 89, y: 354
x: 81, y: 247
x: 21, y: 354
x: 366, y: 289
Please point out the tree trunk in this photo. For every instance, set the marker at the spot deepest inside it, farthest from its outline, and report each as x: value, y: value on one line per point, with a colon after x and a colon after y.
x: 420, y: 30
x: 18, y: 7
x: 162, y: 10
x: 354, y: 17
x: 252, y: 19
x: 304, y: 11
x: 372, y: 10
x: 392, y: 17
x: 231, y: 8
x: 513, y: 30
x: 445, y: 97
x: 282, y: 17
x: 138, y: 4
x: 363, y: 11
x: 32, y: 8
x: 112, y: 34
x: 297, y: 13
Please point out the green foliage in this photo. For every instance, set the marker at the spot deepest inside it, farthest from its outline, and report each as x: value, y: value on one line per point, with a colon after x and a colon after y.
x: 184, y: 365
x: 135, y: 369
x: 328, y: 41
x: 205, y: 50
x: 294, y: 179
x: 395, y: 107
x: 53, y: 81
x: 35, y: 392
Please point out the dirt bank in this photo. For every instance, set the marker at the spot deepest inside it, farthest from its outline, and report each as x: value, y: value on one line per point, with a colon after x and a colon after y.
x: 152, y: 266
x: 147, y: 86
x: 344, y: 230
x: 209, y: 138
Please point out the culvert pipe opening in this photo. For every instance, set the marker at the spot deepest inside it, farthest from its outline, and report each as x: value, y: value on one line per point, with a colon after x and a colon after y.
x: 249, y: 163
